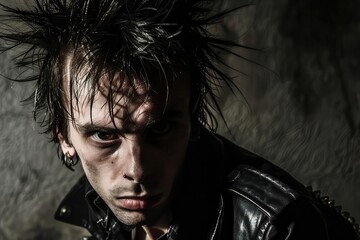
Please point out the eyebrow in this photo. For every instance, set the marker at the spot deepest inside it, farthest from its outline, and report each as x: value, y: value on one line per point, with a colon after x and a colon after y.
x: 87, y: 128
x: 92, y: 126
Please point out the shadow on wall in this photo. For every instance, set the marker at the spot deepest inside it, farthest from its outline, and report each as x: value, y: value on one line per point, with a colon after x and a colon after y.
x: 328, y: 32
x: 304, y: 113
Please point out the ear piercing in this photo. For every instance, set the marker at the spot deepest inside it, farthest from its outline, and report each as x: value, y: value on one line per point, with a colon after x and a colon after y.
x: 69, y: 161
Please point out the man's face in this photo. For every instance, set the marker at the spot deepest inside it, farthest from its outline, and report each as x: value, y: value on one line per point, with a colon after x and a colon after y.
x: 133, y: 164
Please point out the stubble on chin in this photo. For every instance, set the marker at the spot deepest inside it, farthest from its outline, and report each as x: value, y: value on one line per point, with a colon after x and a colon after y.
x: 149, y: 217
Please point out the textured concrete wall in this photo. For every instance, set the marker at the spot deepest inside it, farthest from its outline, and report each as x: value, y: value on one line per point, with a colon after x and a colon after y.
x: 32, y: 179
x: 298, y: 118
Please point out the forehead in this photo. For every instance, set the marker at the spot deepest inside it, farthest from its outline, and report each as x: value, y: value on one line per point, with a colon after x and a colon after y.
x: 118, y: 98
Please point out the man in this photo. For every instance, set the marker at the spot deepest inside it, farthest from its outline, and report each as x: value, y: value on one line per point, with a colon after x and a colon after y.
x: 127, y: 87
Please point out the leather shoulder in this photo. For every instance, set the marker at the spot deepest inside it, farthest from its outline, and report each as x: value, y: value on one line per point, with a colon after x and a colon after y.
x: 258, y: 200
x: 262, y: 190
x: 266, y: 207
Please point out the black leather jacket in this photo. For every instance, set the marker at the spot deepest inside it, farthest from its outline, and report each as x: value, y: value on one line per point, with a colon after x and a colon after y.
x: 224, y: 192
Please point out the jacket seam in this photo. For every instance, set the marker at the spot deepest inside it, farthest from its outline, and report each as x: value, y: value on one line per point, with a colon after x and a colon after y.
x: 256, y: 203
x: 220, y: 214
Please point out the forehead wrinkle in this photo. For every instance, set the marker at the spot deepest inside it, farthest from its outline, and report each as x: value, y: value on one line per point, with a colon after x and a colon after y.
x: 81, y: 91
x: 124, y: 102
x: 138, y: 117
x: 121, y: 83
x: 124, y: 114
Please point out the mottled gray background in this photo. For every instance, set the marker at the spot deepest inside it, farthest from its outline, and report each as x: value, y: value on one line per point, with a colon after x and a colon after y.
x: 302, y: 111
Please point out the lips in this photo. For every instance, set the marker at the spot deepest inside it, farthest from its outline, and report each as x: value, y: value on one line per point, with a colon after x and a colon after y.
x: 138, y: 203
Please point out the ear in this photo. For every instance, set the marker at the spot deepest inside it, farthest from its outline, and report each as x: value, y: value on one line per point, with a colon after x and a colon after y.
x: 66, y: 147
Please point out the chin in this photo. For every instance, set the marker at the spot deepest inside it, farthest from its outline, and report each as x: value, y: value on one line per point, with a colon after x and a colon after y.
x: 130, y: 218
x: 138, y: 218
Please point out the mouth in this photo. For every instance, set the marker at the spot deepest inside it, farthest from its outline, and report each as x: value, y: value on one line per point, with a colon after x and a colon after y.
x: 134, y: 203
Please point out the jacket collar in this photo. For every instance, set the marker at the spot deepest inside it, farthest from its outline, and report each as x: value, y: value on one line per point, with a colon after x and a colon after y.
x: 74, y: 207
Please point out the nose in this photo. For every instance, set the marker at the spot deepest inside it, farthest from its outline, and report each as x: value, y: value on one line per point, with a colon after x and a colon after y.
x: 136, y: 167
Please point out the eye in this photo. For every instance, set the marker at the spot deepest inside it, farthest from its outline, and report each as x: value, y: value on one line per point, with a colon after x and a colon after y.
x: 102, y: 136
x: 161, y: 127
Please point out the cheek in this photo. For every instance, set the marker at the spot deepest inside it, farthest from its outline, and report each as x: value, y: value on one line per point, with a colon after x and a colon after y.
x: 174, y: 154
x: 94, y: 164
x: 98, y: 174
x: 91, y: 169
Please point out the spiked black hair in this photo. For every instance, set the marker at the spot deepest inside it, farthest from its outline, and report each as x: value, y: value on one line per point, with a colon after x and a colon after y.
x: 129, y: 36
